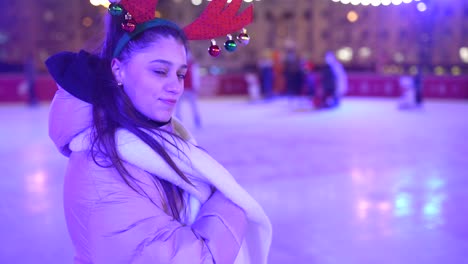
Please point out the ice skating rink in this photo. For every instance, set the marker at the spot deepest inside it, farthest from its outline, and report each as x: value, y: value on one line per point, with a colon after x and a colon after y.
x: 362, y: 184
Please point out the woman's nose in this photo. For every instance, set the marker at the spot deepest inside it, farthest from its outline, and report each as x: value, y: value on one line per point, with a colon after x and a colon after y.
x: 175, y: 85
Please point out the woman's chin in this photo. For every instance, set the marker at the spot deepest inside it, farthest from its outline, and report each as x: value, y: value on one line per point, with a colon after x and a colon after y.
x: 162, y: 117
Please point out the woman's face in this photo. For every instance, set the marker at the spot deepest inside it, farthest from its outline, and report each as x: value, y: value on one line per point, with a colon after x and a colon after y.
x: 153, y: 78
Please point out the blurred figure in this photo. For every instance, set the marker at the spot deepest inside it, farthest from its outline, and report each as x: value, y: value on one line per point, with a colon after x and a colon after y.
x: 328, y: 96
x: 30, y: 79
x: 335, y: 81
x: 418, y: 87
x: 191, y: 88
x: 265, y: 65
x: 309, y: 82
x: 253, y: 84
x: 341, y: 79
x: 294, y: 76
x: 278, y: 73
x: 409, y: 96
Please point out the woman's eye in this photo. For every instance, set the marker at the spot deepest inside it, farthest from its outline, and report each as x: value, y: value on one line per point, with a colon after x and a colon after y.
x: 181, y: 76
x: 160, y: 72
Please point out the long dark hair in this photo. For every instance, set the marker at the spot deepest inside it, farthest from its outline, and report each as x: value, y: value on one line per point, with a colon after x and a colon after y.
x: 113, y: 110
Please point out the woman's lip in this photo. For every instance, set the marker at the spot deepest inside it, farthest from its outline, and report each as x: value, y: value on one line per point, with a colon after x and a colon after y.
x: 169, y: 101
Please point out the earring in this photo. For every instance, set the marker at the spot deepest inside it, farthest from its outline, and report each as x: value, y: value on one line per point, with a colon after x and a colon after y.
x: 230, y: 45
x: 214, y: 49
x: 120, y: 85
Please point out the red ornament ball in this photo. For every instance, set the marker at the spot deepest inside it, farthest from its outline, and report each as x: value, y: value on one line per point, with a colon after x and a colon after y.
x: 214, y: 50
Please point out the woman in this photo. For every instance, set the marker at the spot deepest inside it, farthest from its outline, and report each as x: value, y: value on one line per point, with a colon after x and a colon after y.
x: 137, y: 188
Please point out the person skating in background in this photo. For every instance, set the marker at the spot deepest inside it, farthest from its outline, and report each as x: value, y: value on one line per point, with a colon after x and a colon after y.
x: 418, y: 87
x: 30, y: 79
x: 294, y: 78
x: 192, y: 83
x: 310, y: 83
x: 328, y: 95
x: 267, y: 76
x: 334, y: 81
x: 253, y: 83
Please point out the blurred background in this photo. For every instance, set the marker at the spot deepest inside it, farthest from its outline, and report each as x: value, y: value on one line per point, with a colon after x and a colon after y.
x: 372, y: 38
x: 345, y: 119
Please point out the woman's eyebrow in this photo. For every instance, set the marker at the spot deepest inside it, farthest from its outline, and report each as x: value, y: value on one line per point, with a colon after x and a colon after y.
x: 168, y: 63
x: 162, y: 61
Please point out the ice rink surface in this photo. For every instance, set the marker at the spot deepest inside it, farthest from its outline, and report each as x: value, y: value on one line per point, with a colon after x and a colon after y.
x: 365, y: 183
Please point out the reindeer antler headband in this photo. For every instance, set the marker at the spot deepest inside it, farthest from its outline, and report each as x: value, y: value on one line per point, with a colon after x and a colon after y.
x: 215, y: 21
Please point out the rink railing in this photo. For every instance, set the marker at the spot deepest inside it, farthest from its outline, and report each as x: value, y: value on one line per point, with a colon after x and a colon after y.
x: 13, y: 88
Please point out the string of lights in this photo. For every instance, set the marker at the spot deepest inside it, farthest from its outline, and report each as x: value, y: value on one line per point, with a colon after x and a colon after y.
x: 420, y: 4
x: 375, y: 2
x: 105, y: 3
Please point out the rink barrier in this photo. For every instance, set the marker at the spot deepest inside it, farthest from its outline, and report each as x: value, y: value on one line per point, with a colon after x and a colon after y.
x: 14, y: 89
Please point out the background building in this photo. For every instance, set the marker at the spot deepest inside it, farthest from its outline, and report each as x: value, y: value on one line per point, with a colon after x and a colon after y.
x: 385, y: 38
x: 44, y: 27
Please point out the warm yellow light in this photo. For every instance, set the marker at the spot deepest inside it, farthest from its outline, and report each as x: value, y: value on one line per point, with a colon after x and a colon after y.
x: 456, y: 70
x: 104, y: 3
x: 439, y: 70
x: 94, y: 2
x: 352, y: 16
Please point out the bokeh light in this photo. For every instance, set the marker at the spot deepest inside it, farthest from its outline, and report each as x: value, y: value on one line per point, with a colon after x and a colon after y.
x: 345, y: 54
x: 464, y: 54
x: 373, y: 2
x: 364, y: 52
x: 87, y: 21
x: 352, y: 16
x: 421, y: 7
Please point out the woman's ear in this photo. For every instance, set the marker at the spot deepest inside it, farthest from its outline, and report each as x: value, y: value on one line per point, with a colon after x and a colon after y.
x: 117, y: 70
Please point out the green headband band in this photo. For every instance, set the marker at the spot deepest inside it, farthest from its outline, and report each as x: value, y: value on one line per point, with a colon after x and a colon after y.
x: 139, y: 29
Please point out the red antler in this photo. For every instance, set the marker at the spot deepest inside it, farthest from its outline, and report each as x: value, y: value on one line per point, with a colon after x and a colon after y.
x: 218, y: 20
x: 142, y: 10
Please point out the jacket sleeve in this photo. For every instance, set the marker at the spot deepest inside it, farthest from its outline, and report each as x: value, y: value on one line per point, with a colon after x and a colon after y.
x: 221, y: 224
x: 127, y: 228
